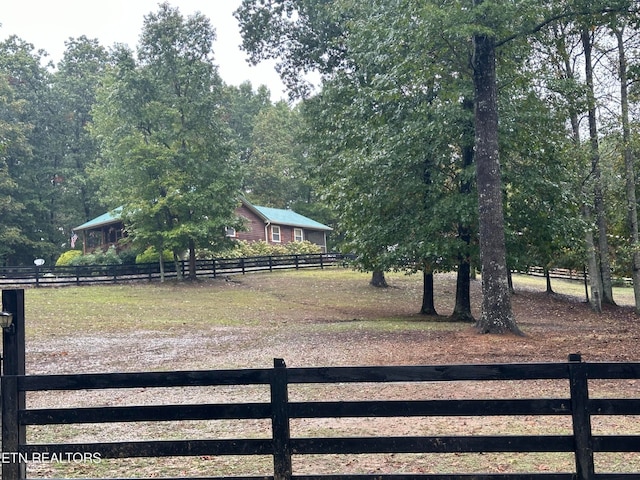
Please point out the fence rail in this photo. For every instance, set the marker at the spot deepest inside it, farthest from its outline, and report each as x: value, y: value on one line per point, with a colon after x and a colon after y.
x: 83, y: 274
x: 282, y: 446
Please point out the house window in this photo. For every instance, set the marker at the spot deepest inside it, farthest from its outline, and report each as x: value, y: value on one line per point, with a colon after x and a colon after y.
x: 275, y: 233
x: 230, y: 231
x: 298, y: 235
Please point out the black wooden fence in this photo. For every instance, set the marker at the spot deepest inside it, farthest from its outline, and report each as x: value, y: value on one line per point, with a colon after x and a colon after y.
x: 282, y: 446
x: 85, y: 274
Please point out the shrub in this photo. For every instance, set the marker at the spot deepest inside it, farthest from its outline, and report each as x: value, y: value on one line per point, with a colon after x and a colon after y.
x: 67, y: 258
x: 150, y: 255
x: 302, y: 248
x: 128, y: 256
x: 264, y: 249
x: 110, y: 257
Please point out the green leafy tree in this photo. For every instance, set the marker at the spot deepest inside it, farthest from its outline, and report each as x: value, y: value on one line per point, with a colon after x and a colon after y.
x: 393, y: 150
x: 74, y: 85
x: 166, y: 150
x: 243, y: 105
x: 13, y: 144
x: 275, y: 174
x: 32, y: 161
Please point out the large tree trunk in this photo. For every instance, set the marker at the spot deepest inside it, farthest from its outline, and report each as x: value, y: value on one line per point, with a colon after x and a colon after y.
x: 632, y: 208
x: 462, y: 308
x: 428, y: 304
x: 547, y: 277
x: 497, y: 315
x: 601, y: 220
x: 378, y: 280
x: 161, y: 260
x: 192, y: 260
x: 595, y: 281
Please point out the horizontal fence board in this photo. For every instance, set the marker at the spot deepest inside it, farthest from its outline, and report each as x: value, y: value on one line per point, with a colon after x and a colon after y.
x: 457, y: 444
x: 88, y: 381
x: 257, y: 477
x: 616, y: 443
x: 416, y: 408
x: 443, y: 476
x: 145, y: 413
x: 253, y: 477
x: 613, y: 371
x: 542, y: 371
x: 623, y: 406
x: 158, y: 448
x: 616, y: 476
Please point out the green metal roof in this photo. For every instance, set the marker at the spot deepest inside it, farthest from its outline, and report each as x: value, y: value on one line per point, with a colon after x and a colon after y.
x: 104, y: 219
x: 277, y: 216
x: 289, y: 217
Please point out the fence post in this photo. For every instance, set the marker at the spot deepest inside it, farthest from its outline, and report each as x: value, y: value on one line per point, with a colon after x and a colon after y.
x: 13, y: 337
x: 13, y: 350
x: 12, y: 433
x: 579, y: 388
x: 280, y: 422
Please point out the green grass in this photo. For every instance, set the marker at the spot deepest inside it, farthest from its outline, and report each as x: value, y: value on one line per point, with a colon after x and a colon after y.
x: 258, y: 300
x: 340, y: 298
x: 574, y: 288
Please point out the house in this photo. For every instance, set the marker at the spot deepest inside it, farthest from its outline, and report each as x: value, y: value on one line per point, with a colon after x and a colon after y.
x: 272, y: 225
x: 101, y: 232
x: 278, y: 226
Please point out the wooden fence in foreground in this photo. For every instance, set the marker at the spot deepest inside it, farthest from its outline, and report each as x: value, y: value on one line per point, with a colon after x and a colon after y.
x: 282, y: 446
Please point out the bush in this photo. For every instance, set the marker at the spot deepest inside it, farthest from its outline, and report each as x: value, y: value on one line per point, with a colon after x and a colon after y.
x: 264, y: 249
x: 150, y: 255
x: 110, y: 257
x: 66, y: 259
x: 302, y: 248
x: 128, y: 256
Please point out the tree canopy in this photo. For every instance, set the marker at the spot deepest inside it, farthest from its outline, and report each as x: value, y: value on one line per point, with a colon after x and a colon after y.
x: 166, y: 154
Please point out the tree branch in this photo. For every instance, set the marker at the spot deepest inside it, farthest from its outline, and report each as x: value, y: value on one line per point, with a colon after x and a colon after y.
x: 568, y: 14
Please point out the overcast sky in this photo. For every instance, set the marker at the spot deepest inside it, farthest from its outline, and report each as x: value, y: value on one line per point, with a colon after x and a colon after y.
x: 48, y: 23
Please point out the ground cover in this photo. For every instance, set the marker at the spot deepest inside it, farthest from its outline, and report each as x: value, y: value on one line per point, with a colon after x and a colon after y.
x: 312, y: 318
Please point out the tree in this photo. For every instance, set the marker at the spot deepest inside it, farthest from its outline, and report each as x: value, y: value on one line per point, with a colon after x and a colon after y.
x: 629, y: 161
x: 74, y: 85
x: 497, y: 316
x: 167, y: 155
x: 369, y: 121
x: 387, y: 139
x: 275, y: 174
x: 242, y: 107
x: 13, y: 143
x: 32, y: 162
